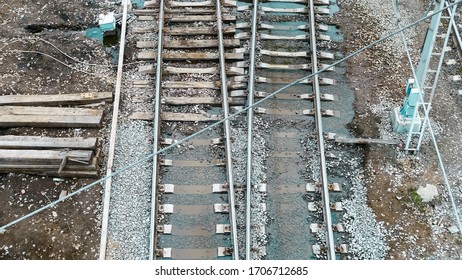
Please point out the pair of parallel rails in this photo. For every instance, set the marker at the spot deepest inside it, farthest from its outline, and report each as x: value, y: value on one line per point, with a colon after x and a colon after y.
x: 206, y: 61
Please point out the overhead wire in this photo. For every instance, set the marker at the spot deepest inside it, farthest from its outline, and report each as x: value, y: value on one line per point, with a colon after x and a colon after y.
x: 147, y: 157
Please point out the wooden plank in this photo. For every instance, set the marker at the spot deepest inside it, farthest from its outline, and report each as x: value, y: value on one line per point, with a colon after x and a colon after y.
x: 146, y: 44
x: 180, y: 70
x: 237, y: 86
x: 40, y: 142
x: 171, y: 11
x: 198, y: 30
x: 229, y: 3
x: 195, y: 11
x: 151, y: 55
x: 18, y: 116
x: 63, y: 174
x: 192, y: 18
x: 187, y: 84
x: 23, y: 168
x: 292, y: 96
x: 321, y: 10
x: 277, y: 37
x: 56, y: 99
x: 191, y: 4
x: 191, y: 100
x: 146, y: 18
x: 230, y: 71
x: 201, y: 100
x: 322, y: 81
x: 25, y: 110
x: 184, y: 117
x: 147, y: 69
x: 151, y: 4
x: 284, y: 66
x: 285, y: 54
x: 139, y: 30
x: 44, y: 156
x: 324, y: 96
x: 225, y: 3
x: 191, y: 44
x: 283, y: 27
x: 280, y: 80
x: 201, y: 56
x: 290, y: 1
x: 143, y: 84
x: 49, y: 121
x: 146, y: 12
x: 51, y: 169
x: 284, y: 10
x: 244, y: 8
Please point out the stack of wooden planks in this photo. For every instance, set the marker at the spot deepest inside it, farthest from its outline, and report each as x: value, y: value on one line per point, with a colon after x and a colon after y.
x: 61, y: 157
x: 30, y: 110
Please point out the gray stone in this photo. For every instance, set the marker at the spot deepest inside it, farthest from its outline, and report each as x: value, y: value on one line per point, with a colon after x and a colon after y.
x: 428, y: 193
x: 453, y: 229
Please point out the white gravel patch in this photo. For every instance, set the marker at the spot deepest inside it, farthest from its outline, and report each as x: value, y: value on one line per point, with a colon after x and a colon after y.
x: 129, y: 215
x: 259, y: 215
x: 367, y: 235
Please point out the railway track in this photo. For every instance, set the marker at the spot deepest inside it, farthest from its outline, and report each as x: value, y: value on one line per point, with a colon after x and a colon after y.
x: 288, y: 36
x: 201, y: 66
x: 193, y: 184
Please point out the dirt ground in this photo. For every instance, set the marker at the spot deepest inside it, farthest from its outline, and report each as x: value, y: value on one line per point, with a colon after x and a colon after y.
x: 378, y: 78
x: 44, y: 51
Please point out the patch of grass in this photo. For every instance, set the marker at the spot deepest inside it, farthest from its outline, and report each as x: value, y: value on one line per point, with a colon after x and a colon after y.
x: 415, y: 198
x: 458, y: 241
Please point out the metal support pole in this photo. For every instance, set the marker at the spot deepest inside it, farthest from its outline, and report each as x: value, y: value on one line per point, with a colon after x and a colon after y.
x: 437, y: 75
x: 155, y: 167
x: 421, y: 72
x: 229, y: 161
x: 249, y: 129
x: 318, y: 120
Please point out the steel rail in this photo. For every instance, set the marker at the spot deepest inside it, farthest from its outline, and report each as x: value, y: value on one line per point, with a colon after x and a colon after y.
x: 320, y: 136
x: 250, y: 127
x: 155, y: 166
x: 225, y: 104
x: 110, y: 160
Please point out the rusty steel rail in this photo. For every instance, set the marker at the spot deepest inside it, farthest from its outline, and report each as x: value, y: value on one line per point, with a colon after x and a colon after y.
x: 155, y: 165
x: 225, y: 105
x: 250, y: 127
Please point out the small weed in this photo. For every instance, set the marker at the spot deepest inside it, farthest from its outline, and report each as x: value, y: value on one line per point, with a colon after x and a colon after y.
x: 415, y: 197
x: 458, y: 241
